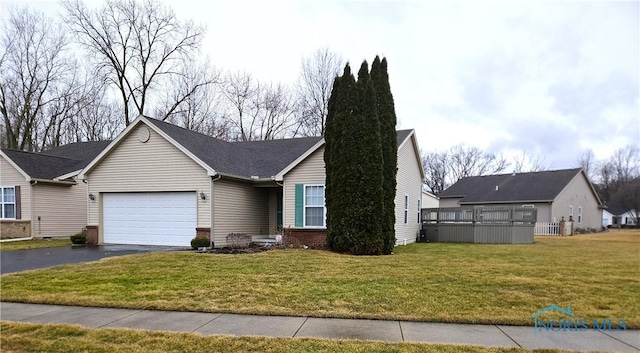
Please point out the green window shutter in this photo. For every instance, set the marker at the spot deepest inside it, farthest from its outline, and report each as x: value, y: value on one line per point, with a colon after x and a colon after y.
x: 299, y: 204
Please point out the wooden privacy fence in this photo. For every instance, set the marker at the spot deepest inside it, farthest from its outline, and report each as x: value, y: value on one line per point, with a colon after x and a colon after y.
x: 487, y: 224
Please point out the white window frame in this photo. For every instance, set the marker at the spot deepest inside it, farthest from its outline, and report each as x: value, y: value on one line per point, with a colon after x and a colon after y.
x: 406, y: 209
x: 304, y: 206
x: 579, y: 215
x: 3, y: 203
x: 419, y: 208
x: 570, y: 212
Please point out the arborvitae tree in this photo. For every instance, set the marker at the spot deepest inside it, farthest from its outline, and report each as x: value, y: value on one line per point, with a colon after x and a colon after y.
x: 337, y: 118
x: 354, y: 165
x: 369, y: 239
x: 389, y: 139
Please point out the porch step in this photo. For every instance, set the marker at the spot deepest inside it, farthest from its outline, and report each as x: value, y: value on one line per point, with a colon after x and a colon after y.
x: 262, y: 239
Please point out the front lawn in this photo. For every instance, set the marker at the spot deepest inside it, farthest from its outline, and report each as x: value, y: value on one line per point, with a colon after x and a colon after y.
x: 33, y: 244
x: 19, y: 337
x: 597, y: 275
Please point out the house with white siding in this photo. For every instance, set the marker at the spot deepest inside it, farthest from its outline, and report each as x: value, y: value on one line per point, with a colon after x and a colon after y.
x: 160, y: 184
x: 40, y: 194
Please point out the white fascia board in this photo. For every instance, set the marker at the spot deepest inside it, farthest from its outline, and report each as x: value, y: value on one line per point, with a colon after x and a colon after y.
x: 68, y: 175
x: 108, y: 149
x: 13, y: 164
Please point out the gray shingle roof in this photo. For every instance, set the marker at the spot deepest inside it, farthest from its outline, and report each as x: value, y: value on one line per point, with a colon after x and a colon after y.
x: 245, y: 159
x: 402, y: 135
x: 57, y: 161
x: 535, y: 186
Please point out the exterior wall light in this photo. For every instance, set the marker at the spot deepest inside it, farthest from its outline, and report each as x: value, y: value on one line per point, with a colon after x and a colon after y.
x: 203, y: 196
x: 92, y: 197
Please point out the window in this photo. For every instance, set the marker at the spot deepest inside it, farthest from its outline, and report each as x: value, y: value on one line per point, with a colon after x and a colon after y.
x: 418, y: 211
x: 570, y: 212
x: 314, y: 210
x: 8, y: 202
x: 527, y: 206
x: 579, y: 215
x: 406, y: 209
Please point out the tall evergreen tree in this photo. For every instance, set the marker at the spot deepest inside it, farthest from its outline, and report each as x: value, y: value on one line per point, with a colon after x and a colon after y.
x: 354, y: 165
x: 338, y: 115
x: 389, y: 145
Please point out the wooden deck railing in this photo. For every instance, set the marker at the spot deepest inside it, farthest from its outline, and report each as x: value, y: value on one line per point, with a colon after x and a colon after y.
x: 493, y: 224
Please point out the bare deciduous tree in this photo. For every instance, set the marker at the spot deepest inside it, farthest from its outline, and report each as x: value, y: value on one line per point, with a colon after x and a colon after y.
x: 139, y: 47
x: 196, y: 107
x: 617, y: 173
x: 527, y: 162
x: 36, y: 78
x: 444, y: 168
x: 471, y: 161
x: 587, y: 161
x: 257, y: 111
x: 314, y: 89
x: 435, y: 169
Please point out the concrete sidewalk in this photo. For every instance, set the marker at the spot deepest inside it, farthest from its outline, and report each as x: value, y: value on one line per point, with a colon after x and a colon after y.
x: 285, y: 326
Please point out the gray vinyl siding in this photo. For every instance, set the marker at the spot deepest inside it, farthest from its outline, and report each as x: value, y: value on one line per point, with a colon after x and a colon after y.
x: 578, y: 194
x: 409, y: 179
x: 238, y: 207
x: 62, y: 209
x: 10, y: 176
x: 154, y: 166
x: 309, y: 171
x: 450, y: 202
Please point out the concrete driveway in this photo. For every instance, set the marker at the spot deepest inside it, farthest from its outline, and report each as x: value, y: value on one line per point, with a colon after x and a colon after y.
x: 22, y: 260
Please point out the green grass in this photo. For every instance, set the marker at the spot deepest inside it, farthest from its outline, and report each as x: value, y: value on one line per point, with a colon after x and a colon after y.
x: 597, y: 275
x: 20, y: 337
x: 34, y: 244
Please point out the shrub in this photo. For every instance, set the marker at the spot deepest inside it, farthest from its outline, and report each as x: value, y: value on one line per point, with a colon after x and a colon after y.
x: 200, y: 242
x: 78, y: 238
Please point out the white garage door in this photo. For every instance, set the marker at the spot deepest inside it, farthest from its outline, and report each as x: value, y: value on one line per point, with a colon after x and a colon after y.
x: 160, y: 218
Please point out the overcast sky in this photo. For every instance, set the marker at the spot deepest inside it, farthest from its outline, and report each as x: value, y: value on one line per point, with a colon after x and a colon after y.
x: 549, y: 77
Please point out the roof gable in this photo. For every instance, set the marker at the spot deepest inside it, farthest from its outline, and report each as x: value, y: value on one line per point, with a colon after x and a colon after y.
x: 402, y: 137
x: 535, y: 186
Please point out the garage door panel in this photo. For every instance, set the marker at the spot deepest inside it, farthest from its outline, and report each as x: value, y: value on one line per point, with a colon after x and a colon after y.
x: 149, y: 218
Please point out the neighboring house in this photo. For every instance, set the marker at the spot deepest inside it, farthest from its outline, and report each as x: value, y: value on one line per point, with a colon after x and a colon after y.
x: 607, y: 218
x: 430, y: 200
x: 159, y: 184
x: 40, y: 195
x: 618, y: 216
x: 556, y: 194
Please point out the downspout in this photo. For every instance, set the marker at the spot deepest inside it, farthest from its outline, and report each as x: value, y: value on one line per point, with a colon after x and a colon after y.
x: 89, y: 210
x: 33, y: 230
x: 212, y: 222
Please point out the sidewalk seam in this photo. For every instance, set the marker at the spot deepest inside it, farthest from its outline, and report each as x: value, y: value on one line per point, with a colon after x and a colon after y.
x: 621, y: 341
x: 298, y: 330
x: 208, y: 322
x: 401, y: 333
x: 514, y: 341
x: 124, y: 317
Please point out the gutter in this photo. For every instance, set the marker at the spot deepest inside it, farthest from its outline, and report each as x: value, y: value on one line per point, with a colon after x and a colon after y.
x: 35, y: 181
